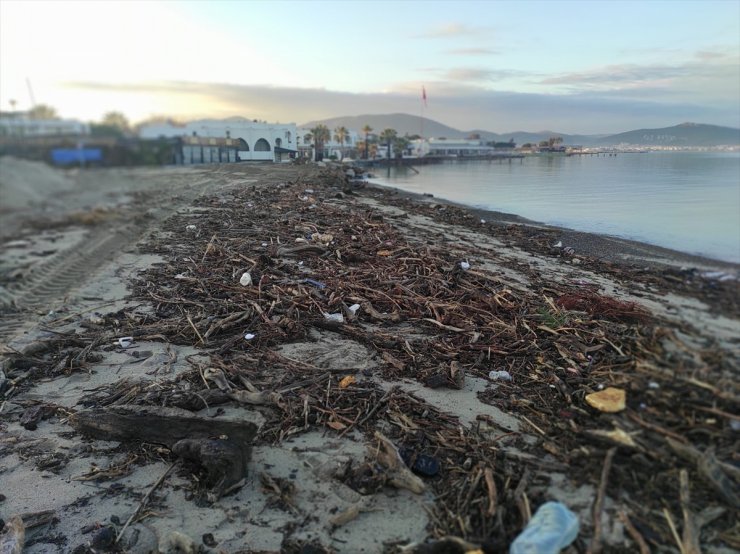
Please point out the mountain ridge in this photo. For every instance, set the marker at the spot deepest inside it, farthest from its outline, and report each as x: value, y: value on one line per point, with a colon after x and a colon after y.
x: 683, y: 134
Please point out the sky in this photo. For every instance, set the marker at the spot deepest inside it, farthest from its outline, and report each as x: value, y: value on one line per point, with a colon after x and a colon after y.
x: 591, y: 66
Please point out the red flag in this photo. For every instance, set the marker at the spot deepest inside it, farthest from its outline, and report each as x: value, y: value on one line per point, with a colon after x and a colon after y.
x: 424, y: 95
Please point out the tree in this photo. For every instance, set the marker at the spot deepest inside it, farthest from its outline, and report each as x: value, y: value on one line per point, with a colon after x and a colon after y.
x: 552, y: 141
x: 387, y: 137
x: 340, y: 135
x: 43, y: 111
x: 400, y: 144
x: 367, y: 130
x: 116, y: 120
x: 321, y: 135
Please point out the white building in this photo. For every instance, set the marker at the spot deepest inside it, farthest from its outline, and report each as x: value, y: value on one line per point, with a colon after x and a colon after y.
x: 18, y: 124
x: 256, y: 141
x: 450, y: 147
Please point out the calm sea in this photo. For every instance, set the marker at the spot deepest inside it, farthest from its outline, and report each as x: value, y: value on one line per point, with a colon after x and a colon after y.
x: 687, y: 201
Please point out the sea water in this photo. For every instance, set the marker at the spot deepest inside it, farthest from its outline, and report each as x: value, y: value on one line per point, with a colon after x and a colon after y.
x: 687, y: 201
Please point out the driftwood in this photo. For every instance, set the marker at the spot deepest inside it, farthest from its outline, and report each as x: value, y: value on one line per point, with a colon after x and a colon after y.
x: 159, y: 425
x: 222, y: 448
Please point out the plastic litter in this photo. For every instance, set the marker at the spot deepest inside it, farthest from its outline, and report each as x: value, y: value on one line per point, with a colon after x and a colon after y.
x: 246, y: 279
x: 609, y: 400
x: 308, y: 191
x: 464, y: 266
x: 339, y: 318
x: 318, y: 284
x: 422, y: 464
x: 552, y: 528
x: 653, y: 385
x: 191, y: 228
x: 125, y: 342
x: 249, y: 336
x: 353, y: 308
x: 500, y: 375
x: 734, y: 423
x: 558, y: 244
x: 483, y: 221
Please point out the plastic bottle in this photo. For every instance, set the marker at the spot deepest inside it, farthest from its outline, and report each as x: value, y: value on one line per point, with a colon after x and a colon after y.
x: 552, y: 528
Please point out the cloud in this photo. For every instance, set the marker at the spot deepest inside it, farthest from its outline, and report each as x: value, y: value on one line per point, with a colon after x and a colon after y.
x: 480, y: 75
x: 464, y: 106
x: 472, y: 52
x: 453, y: 30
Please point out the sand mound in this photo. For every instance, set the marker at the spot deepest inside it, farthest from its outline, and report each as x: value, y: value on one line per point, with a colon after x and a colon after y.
x: 25, y: 183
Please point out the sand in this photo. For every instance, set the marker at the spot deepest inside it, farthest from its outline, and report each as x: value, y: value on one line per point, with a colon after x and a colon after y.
x: 58, y: 273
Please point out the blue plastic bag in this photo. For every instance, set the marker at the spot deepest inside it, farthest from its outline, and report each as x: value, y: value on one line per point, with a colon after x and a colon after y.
x: 552, y: 528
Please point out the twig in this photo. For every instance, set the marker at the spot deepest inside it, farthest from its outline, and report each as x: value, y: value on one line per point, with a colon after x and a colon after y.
x: 145, y: 500
x: 672, y: 526
x: 690, y: 535
x: 595, y: 546
x: 634, y: 533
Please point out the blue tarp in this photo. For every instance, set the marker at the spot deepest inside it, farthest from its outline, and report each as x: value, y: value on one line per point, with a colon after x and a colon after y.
x: 67, y: 156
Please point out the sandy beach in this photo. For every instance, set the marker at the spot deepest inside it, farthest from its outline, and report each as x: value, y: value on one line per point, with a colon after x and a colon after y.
x: 350, y: 334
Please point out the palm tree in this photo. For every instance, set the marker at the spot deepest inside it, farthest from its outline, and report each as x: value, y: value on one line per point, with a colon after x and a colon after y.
x: 321, y: 135
x: 340, y: 135
x: 367, y: 130
x: 388, y: 136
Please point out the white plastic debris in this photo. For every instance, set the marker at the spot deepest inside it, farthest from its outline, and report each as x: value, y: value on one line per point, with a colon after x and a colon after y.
x: 249, y: 336
x: 181, y: 276
x: 464, y: 266
x: 308, y: 191
x: 500, y: 375
x: 264, y: 245
x: 483, y: 221
x: 353, y: 308
x: 338, y: 318
x: 300, y: 263
x: 125, y: 342
x: 552, y: 528
x: 735, y: 424
x: 568, y: 250
x: 653, y: 385
x: 96, y: 319
x: 558, y: 244
x: 246, y: 279
x: 191, y: 228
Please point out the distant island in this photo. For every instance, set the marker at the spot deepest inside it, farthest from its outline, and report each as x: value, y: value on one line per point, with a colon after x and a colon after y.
x: 679, y: 136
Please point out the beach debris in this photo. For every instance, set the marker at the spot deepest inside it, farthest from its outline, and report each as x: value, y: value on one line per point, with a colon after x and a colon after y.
x: 569, y: 250
x: 353, y: 308
x: 483, y: 221
x: 246, y: 279
x: 609, y: 400
x: 157, y: 424
x: 324, y: 238
x: 398, y: 473
x: 346, y: 515
x: 347, y: 381
x: 552, y: 528
x: 616, y: 435
x: 31, y: 417
x: 445, y: 545
x: 318, y: 284
x: 558, y: 244
x: 125, y: 342
x: 499, y: 375
x: 464, y: 265
x: 249, y: 336
x: 13, y: 536
x: 224, y: 462
x: 423, y: 464
x: 603, y: 307
x: 334, y: 318
x: 177, y: 543
x: 191, y: 228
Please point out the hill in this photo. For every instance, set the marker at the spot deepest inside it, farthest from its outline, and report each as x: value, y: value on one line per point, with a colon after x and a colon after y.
x: 403, y: 123
x: 685, y: 134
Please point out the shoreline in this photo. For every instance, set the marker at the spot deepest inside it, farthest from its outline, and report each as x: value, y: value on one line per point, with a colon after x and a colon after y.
x: 407, y: 371
x: 598, y: 245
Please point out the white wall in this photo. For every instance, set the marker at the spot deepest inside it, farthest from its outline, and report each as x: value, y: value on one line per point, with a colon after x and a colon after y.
x: 283, y: 135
